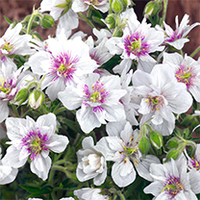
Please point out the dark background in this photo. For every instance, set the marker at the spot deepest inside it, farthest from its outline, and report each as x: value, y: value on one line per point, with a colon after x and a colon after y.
x: 18, y: 9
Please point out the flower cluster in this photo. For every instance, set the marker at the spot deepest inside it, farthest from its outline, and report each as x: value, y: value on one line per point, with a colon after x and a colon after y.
x: 108, y: 115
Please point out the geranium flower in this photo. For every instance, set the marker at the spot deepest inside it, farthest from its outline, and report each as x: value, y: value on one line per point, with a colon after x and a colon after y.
x: 121, y: 146
x: 34, y: 140
x: 11, y: 81
x: 64, y: 63
x: 56, y: 8
x: 160, y: 96
x: 194, y: 170
x: 13, y: 43
x: 98, y: 98
x: 171, y: 181
x: 186, y: 70
x: 177, y: 38
x: 91, y: 162
x: 137, y: 42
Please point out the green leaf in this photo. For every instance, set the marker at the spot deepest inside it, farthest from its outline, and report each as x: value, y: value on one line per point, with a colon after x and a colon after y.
x: 9, y: 21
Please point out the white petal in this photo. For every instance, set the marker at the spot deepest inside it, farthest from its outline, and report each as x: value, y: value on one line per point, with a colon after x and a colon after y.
x: 41, y: 166
x: 58, y: 143
x: 120, y: 168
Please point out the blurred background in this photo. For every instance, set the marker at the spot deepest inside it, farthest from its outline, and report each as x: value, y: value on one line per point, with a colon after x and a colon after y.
x: 18, y: 9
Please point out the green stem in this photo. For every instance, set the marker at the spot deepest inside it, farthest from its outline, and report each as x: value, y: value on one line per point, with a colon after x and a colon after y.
x: 86, y: 20
x: 121, y: 196
x: 59, y: 168
x: 15, y: 110
x: 195, y: 52
x: 35, y: 12
x: 51, y: 175
x: 59, y: 110
x: 110, y: 6
x: 165, y: 3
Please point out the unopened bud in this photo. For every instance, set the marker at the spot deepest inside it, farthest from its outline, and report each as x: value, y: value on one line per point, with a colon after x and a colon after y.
x: 144, y: 145
x: 173, y: 153
x: 152, y: 8
x: 110, y: 20
x: 173, y: 143
x: 21, y: 96
x: 117, y: 6
x: 36, y: 99
x: 156, y: 139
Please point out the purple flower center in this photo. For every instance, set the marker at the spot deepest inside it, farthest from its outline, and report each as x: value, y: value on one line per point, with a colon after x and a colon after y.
x: 134, y: 44
x: 173, y: 186
x: 97, y: 95
x: 155, y: 102
x: 185, y: 75
x: 174, y: 36
x: 195, y: 163
x: 63, y: 66
x: 8, y: 88
x: 35, y: 143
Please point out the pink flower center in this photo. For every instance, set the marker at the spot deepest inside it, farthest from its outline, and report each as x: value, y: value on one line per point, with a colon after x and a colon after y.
x: 185, y: 75
x: 63, y: 66
x: 195, y: 163
x: 35, y: 143
x: 8, y: 88
x: 173, y: 186
x: 134, y: 44
x: 155, y: 102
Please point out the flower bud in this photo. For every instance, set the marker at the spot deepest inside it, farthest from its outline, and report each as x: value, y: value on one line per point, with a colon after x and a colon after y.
x: 36, y: 99
x: 173, y: 153
x: 117, y: 6
x: 110, y: 20
x: 21, y: 96
x: 156, y: 139
x: 152, y: 8
x: 46, y: 21
x: 172, y: 143
x: 144, y: 145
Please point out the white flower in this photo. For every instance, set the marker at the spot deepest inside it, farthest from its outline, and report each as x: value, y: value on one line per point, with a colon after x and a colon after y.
x: 194, y: 170
x: 91, y: 162
x: 171, y: 181
x: 11, y: 81
x: 99, y: 53
x: 90, y: 194
x: 7, y: 173
x: 13, y: 43
x: 35, y: 140
x: 186, y: 70
x: 177, y: 38
x: 160, y: 96
x: 56, y: 8
x: 83, y: 5
x: 138, y: 40
x: 67, y: 62
x: 122, y: 146
x: 98, y: 98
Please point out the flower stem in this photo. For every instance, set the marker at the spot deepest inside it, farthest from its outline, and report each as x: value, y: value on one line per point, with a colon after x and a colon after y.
x: 35, y: 12
x: 165, y: 3
x: 195, y: 52
x: 86, y: 20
